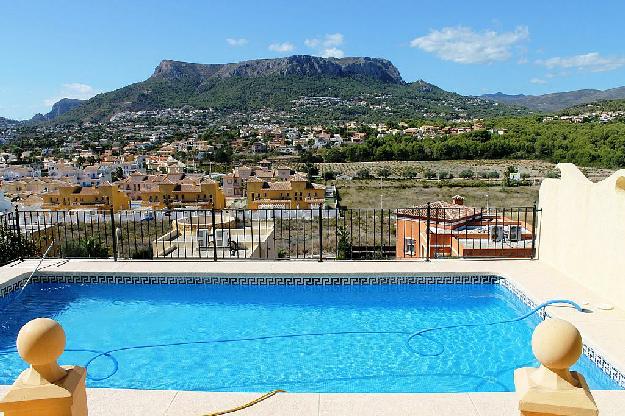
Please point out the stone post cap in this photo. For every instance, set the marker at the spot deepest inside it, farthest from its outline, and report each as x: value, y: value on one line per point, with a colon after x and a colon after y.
x: 557, y: 344
x: 41, y: 341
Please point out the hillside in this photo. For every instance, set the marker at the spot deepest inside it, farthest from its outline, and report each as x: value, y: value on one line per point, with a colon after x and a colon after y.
x: 557, y: 101
x: 58, y: 109
x: 304, y: 88
x: 7, y: 122
x: 595, y: 107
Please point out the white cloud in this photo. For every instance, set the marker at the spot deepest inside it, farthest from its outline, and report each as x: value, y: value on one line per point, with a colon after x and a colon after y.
x: 465, y: 46
x: 329, y: 40
x: 332, y: 53
x: 282, y: 47
x: 592, y: 62
x: 333, y: 39
x: 72, y: 90
x: 538, y: 81
x: 312, y: 43
x: 236, y: 41
x: 327, y: 46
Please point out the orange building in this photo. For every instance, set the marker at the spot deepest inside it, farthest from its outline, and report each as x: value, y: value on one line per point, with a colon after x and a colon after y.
x: 456, y: 230
x: 103, y: 197
x: 173, y: 190
x: 294, y: 193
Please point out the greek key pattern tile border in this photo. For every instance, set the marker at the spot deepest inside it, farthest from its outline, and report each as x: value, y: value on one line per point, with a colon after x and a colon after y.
x: 11, y: 287
x: 591, y: 353
x: 613, y: 372
x: 250, y: 280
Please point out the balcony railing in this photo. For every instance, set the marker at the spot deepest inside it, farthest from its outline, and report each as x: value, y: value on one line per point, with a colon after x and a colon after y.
x: 422, y: 233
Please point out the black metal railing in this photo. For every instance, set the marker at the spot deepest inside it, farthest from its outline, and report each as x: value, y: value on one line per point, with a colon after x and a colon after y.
x: 426, y: 232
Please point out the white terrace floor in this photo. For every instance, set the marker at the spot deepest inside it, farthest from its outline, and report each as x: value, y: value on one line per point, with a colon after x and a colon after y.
x: 603, y: 330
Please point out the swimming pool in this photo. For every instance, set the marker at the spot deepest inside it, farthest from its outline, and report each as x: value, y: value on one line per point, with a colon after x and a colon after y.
x: 335, y: 338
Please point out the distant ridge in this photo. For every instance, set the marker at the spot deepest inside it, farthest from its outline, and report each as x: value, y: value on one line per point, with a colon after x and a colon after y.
x: 300, y: 88
x: 58, y: 109
x: 296, y: 65
x: 559, y: 100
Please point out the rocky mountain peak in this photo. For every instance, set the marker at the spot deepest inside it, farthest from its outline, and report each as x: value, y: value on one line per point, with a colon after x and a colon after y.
x: 296, y: 65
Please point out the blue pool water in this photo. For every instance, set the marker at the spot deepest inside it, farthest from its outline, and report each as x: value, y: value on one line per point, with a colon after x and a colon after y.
x: 359, y: 346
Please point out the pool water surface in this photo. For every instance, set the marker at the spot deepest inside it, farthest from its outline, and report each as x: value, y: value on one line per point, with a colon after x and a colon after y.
x: 350, y: 338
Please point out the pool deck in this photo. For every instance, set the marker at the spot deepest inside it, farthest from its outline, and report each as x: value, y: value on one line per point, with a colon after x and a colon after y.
x: 603, y: 330
x: 115, y: 402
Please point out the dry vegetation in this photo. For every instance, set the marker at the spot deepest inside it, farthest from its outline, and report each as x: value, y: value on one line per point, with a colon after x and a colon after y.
x: 535, y: 168
x: 398, y: 192
x: 407, y: 193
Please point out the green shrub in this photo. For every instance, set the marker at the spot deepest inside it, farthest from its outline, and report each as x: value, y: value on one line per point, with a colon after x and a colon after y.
x: 384, y: 172
x: 344, y: 245
x: 429, y: 174
x: 553, y: 174
x: 143, y: 253
x: 13, y: 246
x: 88, y: 247
x: 443, y: 174
x: 409, y: 172
x: 467, y: 174
x: 363, y: 174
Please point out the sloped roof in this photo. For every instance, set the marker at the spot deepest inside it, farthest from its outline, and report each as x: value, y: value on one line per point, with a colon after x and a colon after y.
x: 280, y: 186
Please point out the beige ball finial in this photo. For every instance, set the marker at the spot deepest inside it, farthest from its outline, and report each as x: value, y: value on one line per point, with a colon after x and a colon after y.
x: 41, y: 341
x: 557, y: 344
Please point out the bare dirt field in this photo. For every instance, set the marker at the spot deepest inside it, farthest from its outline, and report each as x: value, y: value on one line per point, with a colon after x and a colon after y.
x: 398, y: 192
x: 407, y: 193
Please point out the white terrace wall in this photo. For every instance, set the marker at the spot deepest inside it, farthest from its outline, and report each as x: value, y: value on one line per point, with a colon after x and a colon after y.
x: 582, y: 230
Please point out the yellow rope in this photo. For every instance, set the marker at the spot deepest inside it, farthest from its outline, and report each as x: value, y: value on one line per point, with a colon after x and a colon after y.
x: 246, y: 405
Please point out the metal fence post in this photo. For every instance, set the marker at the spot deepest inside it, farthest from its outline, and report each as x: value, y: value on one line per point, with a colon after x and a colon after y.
x: 427, y: 234
x: 320, y: 233
x: 18, y: 231
x: 534, y: 211
x: 214, y: 235
x: 113, y: 235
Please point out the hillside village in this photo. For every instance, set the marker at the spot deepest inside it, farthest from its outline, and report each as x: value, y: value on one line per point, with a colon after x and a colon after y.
x: 148, y: 149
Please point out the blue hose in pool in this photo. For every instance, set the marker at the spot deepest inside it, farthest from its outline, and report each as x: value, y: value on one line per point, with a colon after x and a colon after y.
x: 507, y: 321
x: 109, y: 354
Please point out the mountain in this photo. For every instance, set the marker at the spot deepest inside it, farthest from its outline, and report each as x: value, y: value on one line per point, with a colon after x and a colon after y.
x: 596, y: 107
x: 58, y: 109
x: 5, y: 122
x: 298, y: 88
x: 559, y: 100
x: 297, y: 65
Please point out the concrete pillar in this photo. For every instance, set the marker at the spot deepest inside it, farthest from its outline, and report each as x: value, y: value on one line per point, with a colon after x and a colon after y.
x: 45, y: 389
x: 552, y: 389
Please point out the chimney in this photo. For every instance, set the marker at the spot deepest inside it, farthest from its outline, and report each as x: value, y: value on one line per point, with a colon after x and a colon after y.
x: 457, y: 200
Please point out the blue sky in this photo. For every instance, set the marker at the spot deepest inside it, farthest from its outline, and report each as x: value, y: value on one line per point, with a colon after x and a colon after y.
x: 53, y: 49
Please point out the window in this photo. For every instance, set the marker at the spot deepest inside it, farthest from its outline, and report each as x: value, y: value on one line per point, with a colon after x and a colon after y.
x: 409, y: 248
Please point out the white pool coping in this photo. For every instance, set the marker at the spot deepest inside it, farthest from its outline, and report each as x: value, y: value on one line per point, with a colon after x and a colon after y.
x: 118, y: 402
x: 603, y: 330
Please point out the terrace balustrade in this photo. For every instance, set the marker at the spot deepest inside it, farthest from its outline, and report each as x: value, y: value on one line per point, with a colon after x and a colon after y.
x: 421, y: 233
